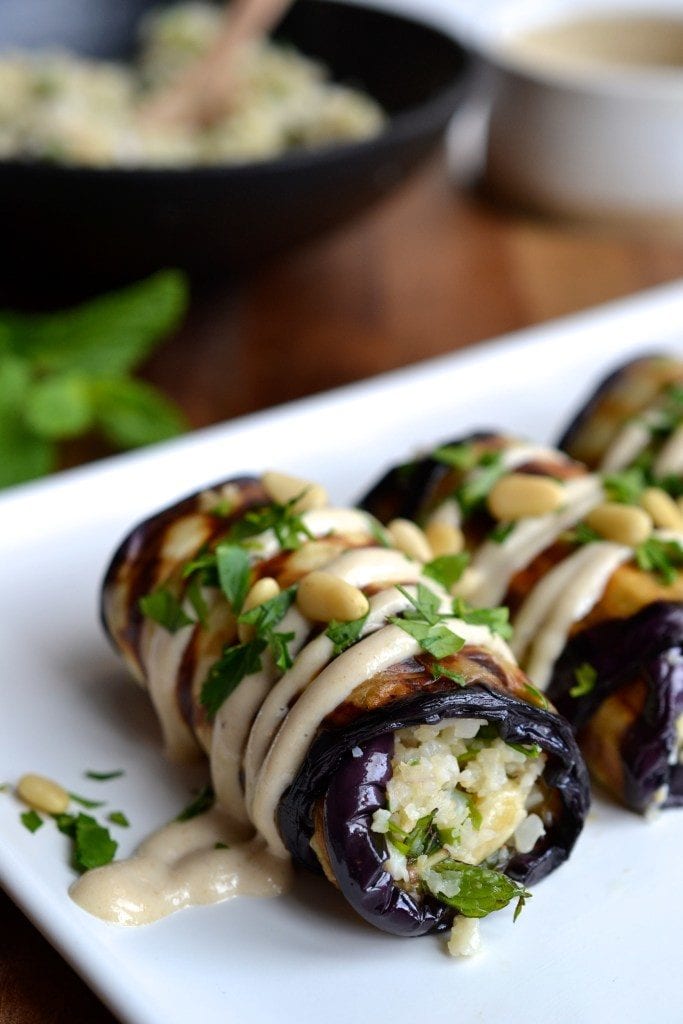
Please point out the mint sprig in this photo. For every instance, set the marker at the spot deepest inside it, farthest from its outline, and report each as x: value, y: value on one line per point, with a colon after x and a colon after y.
x: 68, y: 373
x: 481, y: 890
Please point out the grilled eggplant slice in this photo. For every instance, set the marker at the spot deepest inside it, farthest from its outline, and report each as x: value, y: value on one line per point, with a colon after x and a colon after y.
x: 402, y: 752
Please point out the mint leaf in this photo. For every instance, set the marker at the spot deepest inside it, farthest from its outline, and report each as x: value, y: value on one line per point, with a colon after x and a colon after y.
x: 232, y: 562
x: 225, y: 675
x: 447, y: 569
x: 481, y: 890
x: 23, y: 455
x: 131, y: 413
x: 15, y: 376
x: 59, y: 406
x: 441, y: 641
x: 110, y: 335
x: 345, y: 634
x: 163, y: 607
x: 424, y: 623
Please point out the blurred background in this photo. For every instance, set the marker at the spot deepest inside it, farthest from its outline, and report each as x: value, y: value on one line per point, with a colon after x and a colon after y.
x: 474, y: 178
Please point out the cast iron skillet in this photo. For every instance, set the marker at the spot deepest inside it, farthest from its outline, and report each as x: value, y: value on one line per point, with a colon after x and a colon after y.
x: 112, y: 225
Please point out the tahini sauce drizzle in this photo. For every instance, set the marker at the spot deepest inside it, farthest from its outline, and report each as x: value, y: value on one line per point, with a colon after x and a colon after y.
x: 179, y: 866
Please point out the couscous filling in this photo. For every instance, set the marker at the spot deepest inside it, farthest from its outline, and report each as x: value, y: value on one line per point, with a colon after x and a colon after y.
x: 460, y: 802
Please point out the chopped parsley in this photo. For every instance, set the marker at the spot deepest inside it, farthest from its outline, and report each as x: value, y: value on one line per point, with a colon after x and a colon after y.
x: 661, y: 557
x: 238, y: 661
x: 625, y: 487
x: 582, y: 534
x: 232, y: 564
x: 474, y: 491
x: 459, y: 456
x: 424, y: 623
x: 424, y: 838
x: 287, y: 524
x: 480, y: 890
x: 85, y: 802
x: 235, y: 663
x: 497, y: 619
x: 164, y: 608
x: 586, y: 677
x: 500, y: 533
x: 118, y: 818
x: 31, y: 820
x: 92, y: 844
x: 447, y: 569
x: 530, y: 750
x: 345, y: 634
x: 104, y: 776
x: 377, y: 532
x: 203, y: 801
x: 439, y: 670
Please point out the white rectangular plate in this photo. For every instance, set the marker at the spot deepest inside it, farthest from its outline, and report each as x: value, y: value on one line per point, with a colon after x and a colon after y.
x: 600, y: 939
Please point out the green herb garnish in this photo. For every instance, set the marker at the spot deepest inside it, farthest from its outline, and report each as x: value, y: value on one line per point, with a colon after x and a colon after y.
x: 203, y: 802
x: 497, y: 619
x: 345, y: 634
x: 475, y: 490
x: 539, y: 698
x: 424, y: 623
x: 92, y: 844
x: 473, y: 811
x: 232, y: 564
x: 104, y: 776
x: 500, y: 533
x: 424, y: 838
x: 661, y: 557
x: 459, y: 456
x: 625, y: 487
x: 221, y: 846
x: 287, y: 524
x: 118, y: 818
x: 586, y: 677
x: 378, y: 533
x: 164, y: 608
x: 438, y: 669
x: 84, y: 801
x: 31, y: 820
x: 480, y: 890
x: 582, y: 534
x: 225, y: 675
x: 532, y: 750
x: 447, y: 569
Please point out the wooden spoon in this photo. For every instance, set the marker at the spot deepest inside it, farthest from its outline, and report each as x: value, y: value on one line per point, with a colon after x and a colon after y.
x: 204, y: 92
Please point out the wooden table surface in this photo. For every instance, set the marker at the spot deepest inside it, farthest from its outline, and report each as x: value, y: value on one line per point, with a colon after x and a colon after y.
x: 431, y: 270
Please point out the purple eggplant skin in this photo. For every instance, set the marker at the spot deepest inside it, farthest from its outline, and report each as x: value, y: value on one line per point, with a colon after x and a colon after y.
x: 646, y: 647
x: 352, y: 788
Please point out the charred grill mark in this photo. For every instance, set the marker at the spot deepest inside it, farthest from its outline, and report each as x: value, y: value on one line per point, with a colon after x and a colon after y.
x: 556, y: 468
x: 523, y: 582
x: 134, y: 569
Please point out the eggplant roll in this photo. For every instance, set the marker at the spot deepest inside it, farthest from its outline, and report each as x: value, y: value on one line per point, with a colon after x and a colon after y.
x: 352, y: 717
x: 584, y: 561
x: 634, y: 417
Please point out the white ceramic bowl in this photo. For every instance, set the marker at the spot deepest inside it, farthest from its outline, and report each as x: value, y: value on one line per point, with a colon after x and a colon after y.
x: 584, y: 136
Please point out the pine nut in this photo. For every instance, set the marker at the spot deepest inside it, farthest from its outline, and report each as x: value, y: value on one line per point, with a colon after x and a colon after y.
x: 518, y: 495
x: 663, y: 509
x: 262, y: 591
x: 324, y: 597
x: 410, y: 539
x: 444, y: 539
x: 283, y: 488
x: 623, y: 524
x: 42, y: 794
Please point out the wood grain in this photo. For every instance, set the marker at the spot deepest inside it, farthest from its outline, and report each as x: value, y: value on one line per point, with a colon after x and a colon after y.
x: 430, y: 271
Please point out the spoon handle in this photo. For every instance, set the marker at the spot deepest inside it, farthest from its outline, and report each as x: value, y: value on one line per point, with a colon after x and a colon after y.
x: 204, y: 92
